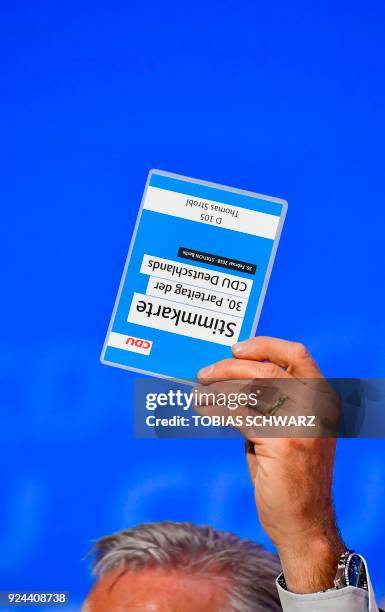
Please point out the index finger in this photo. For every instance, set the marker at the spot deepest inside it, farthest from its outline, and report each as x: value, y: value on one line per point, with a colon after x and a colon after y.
x: 236, y: 369
x: 292, y: 356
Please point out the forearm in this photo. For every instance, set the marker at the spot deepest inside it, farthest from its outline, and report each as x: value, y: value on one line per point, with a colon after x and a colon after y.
x: 310, y: 566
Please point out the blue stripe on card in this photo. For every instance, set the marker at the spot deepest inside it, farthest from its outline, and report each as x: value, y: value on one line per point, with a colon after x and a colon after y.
x: 214, y: 193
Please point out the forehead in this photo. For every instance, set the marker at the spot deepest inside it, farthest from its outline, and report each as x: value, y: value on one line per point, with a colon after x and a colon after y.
x: 156, y: 591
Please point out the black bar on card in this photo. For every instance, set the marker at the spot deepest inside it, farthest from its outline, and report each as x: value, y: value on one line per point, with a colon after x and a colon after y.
x: 216, y: 260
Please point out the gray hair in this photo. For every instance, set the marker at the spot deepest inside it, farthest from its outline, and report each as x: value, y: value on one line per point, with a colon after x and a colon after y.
x: 248, y: 569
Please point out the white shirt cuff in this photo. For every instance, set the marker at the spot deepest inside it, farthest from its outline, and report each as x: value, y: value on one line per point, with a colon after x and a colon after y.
x: 349, y: 599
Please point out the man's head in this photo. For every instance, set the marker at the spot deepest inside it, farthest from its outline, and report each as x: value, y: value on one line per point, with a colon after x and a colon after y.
x: 179, y: 567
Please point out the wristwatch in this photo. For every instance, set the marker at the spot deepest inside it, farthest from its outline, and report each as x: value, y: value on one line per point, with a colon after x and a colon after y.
x: 351, y: 571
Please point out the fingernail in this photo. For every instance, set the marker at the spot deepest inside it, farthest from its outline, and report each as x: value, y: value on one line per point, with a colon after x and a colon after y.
x: 241, y: 347
x: 206, y: 372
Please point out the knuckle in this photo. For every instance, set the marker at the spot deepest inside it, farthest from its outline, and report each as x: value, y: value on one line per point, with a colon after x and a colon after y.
x: 299, y: 351
x: 272, y: 371
x: 226, y: 368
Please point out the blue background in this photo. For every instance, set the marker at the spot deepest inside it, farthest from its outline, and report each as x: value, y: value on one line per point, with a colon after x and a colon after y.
x: 284, y: 98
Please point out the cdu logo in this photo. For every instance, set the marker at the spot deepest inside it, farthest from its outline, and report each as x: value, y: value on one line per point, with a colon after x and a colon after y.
x: 139, y: 345
x: 129, y: 343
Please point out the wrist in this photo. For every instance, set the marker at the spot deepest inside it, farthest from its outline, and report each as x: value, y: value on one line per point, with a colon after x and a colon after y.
x: 310, y: 566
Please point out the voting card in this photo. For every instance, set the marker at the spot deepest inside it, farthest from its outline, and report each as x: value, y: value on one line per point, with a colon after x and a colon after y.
x: 195, y: 276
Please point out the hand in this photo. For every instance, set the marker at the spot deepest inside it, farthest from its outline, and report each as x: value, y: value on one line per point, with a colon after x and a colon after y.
x: 292, y: 477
